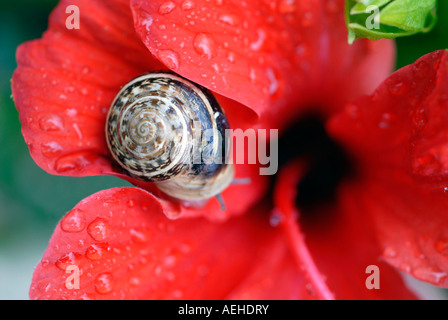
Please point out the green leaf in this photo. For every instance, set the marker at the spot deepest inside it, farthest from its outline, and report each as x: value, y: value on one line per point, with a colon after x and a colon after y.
x: 390, y: 19
x: 409, y: 15
x: 362, y: 5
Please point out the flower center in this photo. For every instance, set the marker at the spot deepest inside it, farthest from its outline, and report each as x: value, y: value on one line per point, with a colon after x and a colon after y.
x: 327, y: 163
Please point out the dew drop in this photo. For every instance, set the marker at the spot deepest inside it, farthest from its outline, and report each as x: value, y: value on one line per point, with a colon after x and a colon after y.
x: 86, y: 296
x: 70, y: 259
x: 229, y: 19
x: 134, y: 281
x: 73, y: 161
x: 104, y: 283
x: 169, y: 58
x: 51, y: 123
x: 71, y: 112
x: 390, y: 252
x: 144, y: 19
x: 96, y: 251
x: 204, y: 45
x: 169, y: 261
x: 178, y: 294
x: 73, y: 221
x: 261, y: 37
x: 428, y: 274
x: 139, y: 236
x: 273, y: 82
x: 275, y: 218
x: 187, y: 5
x: 387, y: 119
x: 420, y: 119
x: 86, y: 70
x: 167, y: 7
x: 231, y: 56
x: 45, y: 263
x: 421, y: 69
x: 51, y: 149
x: 99, y: 229
x: 131, y: 203
x: 398, y: 88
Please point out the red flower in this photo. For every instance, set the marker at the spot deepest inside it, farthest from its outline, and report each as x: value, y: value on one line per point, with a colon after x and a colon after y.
x: 268, y: 64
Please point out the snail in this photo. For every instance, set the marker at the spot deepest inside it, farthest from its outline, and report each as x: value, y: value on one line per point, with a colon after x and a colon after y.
x: 155, y: 130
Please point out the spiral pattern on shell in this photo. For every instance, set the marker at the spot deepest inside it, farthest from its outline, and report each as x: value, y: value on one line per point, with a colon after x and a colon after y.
x: 147, y: 128
x: 152, y: 132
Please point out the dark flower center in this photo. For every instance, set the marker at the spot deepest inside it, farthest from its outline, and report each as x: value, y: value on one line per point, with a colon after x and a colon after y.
x: 327, y: 163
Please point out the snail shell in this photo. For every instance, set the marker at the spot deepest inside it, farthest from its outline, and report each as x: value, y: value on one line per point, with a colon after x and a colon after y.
x: 154, y: 131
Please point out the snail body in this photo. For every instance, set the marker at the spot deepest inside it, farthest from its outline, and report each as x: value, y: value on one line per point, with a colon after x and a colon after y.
x: 154, y: 131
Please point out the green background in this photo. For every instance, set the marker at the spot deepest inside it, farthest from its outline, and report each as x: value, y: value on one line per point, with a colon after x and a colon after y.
x: 32, y: 201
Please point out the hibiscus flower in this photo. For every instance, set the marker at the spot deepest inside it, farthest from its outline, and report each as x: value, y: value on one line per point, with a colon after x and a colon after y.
x: 364, y: 180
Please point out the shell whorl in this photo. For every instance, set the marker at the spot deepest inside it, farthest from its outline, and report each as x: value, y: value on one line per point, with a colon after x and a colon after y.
x: 152, y: 129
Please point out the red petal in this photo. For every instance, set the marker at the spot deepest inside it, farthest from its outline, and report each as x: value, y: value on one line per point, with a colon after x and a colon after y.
x: 125, y: 248
x: 65, y: 82
x: 400, y: 139
x: 270, y: 56
x: 275, y: 276
x: 337, y: 246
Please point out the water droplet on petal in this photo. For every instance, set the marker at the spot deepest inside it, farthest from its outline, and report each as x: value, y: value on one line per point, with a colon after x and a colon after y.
x: 275, y: 218
x: 261, y: 37
x: 229, y: 19
x: 178, y: 294
x: 169, y: 261
x: 73, y: 221
x: 187, y: 5
x: 167, y: 7
x: 104, y: 283
x: 421, y: 69
x: 70, y: 259
x: 420, y: 119
x: 73, y: 161
x: 134, y: 281
x: 204, y: 45
x: 45, y: 263
x: 273, y: 82
x: 86, y: 70
x: 396, y: 88
x: 231, y: 56
x: 51, y: 123
x: 387, y: 119
x: 131, y: 203
x: 144, y: 19
x: 390, y: 252
x: 96, y: 251
x: 99, y: 229
x: 428, y: 274
x: 51, y: 149
x: 139, y: 235
x: 169, y: 58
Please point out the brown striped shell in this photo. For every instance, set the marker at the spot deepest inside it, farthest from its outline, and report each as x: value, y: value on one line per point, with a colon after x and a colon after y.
x: 155, y: 132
